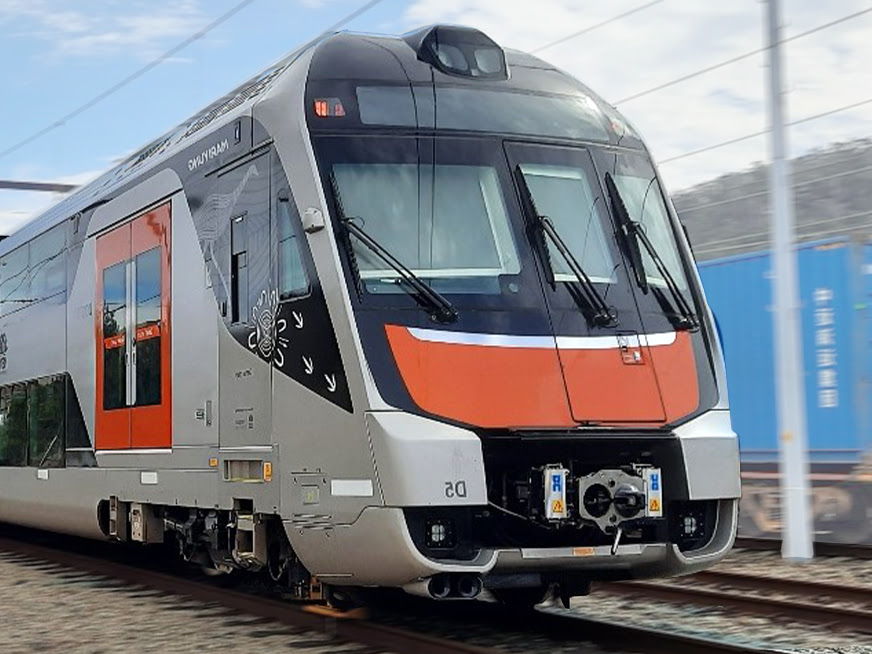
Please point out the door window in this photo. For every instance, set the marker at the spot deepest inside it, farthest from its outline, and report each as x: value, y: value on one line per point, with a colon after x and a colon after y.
x: 148, y: 323
x: 238, y: 271
x: 115, y: 336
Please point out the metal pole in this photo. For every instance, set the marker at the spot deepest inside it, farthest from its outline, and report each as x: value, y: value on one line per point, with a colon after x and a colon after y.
x: 787, y: 324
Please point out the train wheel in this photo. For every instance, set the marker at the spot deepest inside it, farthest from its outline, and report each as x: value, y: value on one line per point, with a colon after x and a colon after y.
x: 340, y: 598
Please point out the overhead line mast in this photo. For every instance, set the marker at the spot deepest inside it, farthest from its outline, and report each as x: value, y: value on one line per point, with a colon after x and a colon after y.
x: 51, y: 187
x: 789, y: 385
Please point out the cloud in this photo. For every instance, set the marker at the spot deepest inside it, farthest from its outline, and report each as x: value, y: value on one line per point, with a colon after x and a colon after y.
x: 824, y: 71
x: 136, y: 28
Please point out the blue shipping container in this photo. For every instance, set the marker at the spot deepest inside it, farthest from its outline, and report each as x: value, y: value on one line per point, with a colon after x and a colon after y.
x: 836, y: 334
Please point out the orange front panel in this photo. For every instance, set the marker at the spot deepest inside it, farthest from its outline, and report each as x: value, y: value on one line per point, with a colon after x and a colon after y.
x: 151, y: 426
x: 605, y: 385
x: 675, y: 367
x: 112, y: 425
x: 482, y: 385
x: 603, y: 388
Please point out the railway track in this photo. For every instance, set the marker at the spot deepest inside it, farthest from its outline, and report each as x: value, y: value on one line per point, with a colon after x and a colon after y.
x: 376, y: 632
x: 820, y: 548
x: 343, y: 629
x: 840, y: 607
x: 565, y: 626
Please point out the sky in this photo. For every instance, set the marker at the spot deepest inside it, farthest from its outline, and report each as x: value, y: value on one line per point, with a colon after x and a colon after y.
x: 58, y: 55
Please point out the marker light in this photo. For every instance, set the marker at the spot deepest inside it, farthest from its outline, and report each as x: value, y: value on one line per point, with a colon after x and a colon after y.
x: 329, y: 108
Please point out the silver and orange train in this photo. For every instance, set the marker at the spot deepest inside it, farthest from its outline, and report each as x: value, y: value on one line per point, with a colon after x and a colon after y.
x: 410, y: 312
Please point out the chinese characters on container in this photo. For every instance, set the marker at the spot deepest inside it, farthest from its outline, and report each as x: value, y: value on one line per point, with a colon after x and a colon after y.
x: 825, y: 349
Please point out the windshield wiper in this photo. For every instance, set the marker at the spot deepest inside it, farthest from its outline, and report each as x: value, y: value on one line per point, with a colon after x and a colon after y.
x: 684, y: 318
x: 633, y: 234
x: 626, y: 233
x: 440, y: 308
x: 594, y: 306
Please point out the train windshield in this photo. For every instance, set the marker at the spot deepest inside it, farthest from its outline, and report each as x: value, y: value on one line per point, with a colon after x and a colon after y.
x: 641, y: 193
x: 565, y: 195
x: 462, y: 230
x: 483, y: 220
x: 446, y: 222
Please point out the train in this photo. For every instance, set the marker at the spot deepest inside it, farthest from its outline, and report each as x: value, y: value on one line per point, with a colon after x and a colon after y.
x: 409, y: 312
x: 835, y: 291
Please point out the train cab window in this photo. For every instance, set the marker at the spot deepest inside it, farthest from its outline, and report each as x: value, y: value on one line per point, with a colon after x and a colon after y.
x: 566, y: 196
x: 148, y: 328
x: 47, y: 265
x: 13, y: 425
x: 640, y: 191
x: 115, y: 336
x: 448, y: 221
x: 238, y: 270
x: 293, y: 281
x: 45, y: 422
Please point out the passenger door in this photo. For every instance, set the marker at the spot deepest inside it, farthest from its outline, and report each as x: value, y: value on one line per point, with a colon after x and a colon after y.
x: 134, y: 384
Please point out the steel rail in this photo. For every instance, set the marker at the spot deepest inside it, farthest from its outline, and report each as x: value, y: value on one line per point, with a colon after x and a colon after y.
x: 632, y: 638
x: 570, y: 626
x: 324, y: 621
x: 856, y: 551
x: 556, y: 624
x: 815, y: 589
x: 835, y: 616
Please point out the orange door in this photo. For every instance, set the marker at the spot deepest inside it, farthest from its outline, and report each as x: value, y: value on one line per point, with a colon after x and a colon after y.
x: 134, y: 390
x: 112, y: 320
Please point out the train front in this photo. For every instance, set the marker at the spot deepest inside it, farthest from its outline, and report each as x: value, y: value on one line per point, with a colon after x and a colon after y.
x: 551, y: 405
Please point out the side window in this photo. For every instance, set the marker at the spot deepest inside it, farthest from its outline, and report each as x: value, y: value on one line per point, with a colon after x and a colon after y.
x: 47, y: 266
x: 14, y: 286
x: 45, y: 422
x: 238, y: 270
x: 293, y: 281
x: 13, y: 425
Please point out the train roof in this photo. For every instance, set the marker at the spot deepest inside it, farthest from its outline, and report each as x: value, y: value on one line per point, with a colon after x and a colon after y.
x: 341, y: 55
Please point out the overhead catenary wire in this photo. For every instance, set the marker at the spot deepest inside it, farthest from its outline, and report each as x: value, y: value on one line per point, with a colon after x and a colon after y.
x: 753, y: 135
x: 60, y: 122
x: 765, y: 192
x: 608, y: 21
x: 733, y: 60
x: 709, y: 254
x: 100, y: 97
x: 860, y: 156
x: 732, y: 243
